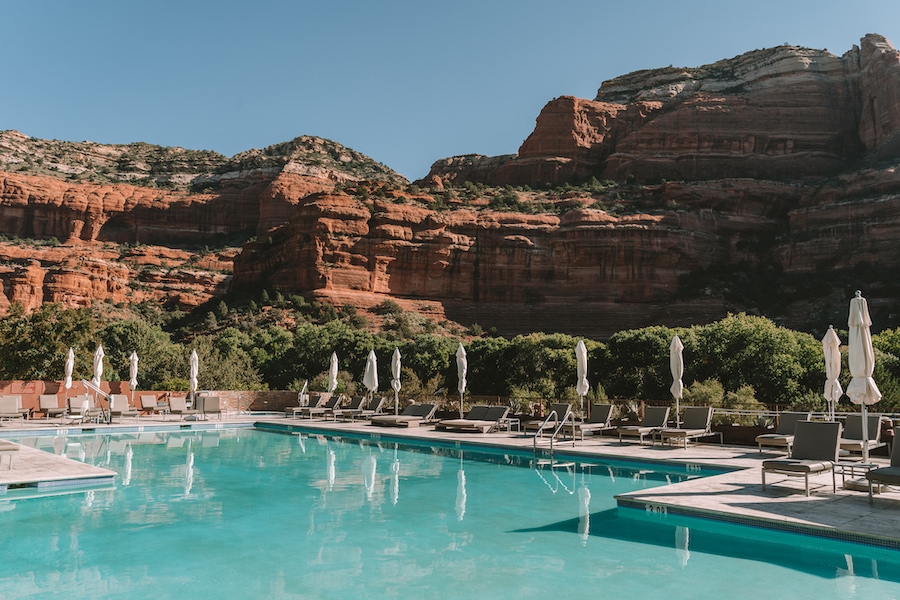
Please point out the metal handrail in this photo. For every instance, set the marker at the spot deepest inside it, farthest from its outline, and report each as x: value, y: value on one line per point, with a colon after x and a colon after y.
x: 559, y: 424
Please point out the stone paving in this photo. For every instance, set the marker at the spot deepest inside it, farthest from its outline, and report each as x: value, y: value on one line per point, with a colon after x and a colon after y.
x: 735, y: 496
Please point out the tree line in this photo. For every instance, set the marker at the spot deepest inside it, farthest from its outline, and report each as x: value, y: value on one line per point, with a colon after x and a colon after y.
x: 739, y: 361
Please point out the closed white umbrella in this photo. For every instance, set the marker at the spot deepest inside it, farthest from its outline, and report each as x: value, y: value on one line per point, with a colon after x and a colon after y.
x: 582, y: 385
x: 133, y: 374
x: 370, y: 378
x: 395, y: 378
x: 98, y: 365
x: 862, y: 389
x: 98, y: 374
x: 831, y: 347
x: 676, y: 364
x: 333, y: 372
x: 462, y: 366
x: 195, y: 371
x: 70, y: 366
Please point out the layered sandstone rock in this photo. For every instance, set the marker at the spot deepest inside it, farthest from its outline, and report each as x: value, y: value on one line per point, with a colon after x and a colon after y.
x: 778, y: 113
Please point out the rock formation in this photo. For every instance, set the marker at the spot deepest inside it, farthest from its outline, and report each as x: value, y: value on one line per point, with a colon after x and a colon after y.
x: 779, y: 113
x: 766, y: 183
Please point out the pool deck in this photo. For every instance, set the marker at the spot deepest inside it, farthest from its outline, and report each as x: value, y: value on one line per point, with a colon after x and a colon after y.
x: 735, y: 496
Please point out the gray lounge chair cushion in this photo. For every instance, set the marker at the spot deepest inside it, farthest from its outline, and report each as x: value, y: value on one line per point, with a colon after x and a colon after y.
x: 654, y: 418
x: 815, y: 449
x: 886, y: 475
x: 797, y: 465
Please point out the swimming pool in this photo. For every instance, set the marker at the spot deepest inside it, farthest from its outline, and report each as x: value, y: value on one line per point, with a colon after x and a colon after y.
x: 243, y: 513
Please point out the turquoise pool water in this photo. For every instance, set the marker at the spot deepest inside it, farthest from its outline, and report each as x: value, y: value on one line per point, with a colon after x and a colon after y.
x: 242, y: 513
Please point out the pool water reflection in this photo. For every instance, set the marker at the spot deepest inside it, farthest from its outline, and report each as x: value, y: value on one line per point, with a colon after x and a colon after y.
x: 246, y: 513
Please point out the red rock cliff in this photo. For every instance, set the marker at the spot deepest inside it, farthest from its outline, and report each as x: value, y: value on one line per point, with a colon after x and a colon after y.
x: 778, y: 113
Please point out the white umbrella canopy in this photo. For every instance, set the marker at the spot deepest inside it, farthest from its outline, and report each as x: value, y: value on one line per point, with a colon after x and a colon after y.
x: 582, y: 385
x: 676, y: 365
x: 70, y: 366
x: 462, y: 366
x: 333, y: 372
x: 98, y: 365
x: 831, y: 348
x: 133, y: 372
x: 395, y: 377
x: 370, y: 377
x: 195, y: 371
x: 862, y: 389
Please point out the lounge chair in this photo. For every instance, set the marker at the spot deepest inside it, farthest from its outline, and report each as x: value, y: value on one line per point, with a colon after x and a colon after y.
x: 314, y: 411
x: 82, y: 408
x: 696, y: 424
x: 784, y: 431
x: 8, y: 448
x: 413, y: 416
x: 49, y: 406
x: 851, y: 439
x: 887, y: 475
x: 481, y: 419
x: 178, y: 406
x: 150, y: 404
x: 209, y: 405
x: 655, y: 418
x: 598, y: 422
x: 118, y: 407
x: 351, y: 409
x: 558, y: 414
x: 11, y: 408
x: 372, y: 408
x: 315, y: 401
x: 815, y: 450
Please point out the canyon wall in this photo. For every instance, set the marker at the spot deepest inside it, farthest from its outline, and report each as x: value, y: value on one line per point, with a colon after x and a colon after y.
x: 778, y: 113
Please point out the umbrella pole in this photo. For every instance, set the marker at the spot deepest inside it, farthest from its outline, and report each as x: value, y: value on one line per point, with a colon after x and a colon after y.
x: 865, y: 435
x: 396, y: 401
x: 461, y: 405
x: 677, y: 402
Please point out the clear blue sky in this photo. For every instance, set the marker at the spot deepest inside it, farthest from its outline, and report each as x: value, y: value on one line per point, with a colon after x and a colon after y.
x: 405, y: 82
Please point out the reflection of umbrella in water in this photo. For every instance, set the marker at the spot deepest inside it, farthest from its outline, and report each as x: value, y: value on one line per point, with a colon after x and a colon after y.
x: 395, y: 479
x: 189, y: 471
x: 330, y: 469
x: 301, y: 442
x: 584, y: 512
x: 460, y: 490
x: 129, y: 455
x: 862, y: 389
x: 682, y: 541
x: 368, y: 469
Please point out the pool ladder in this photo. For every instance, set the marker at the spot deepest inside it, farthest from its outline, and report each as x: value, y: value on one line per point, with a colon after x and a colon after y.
x: 557, y: 428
